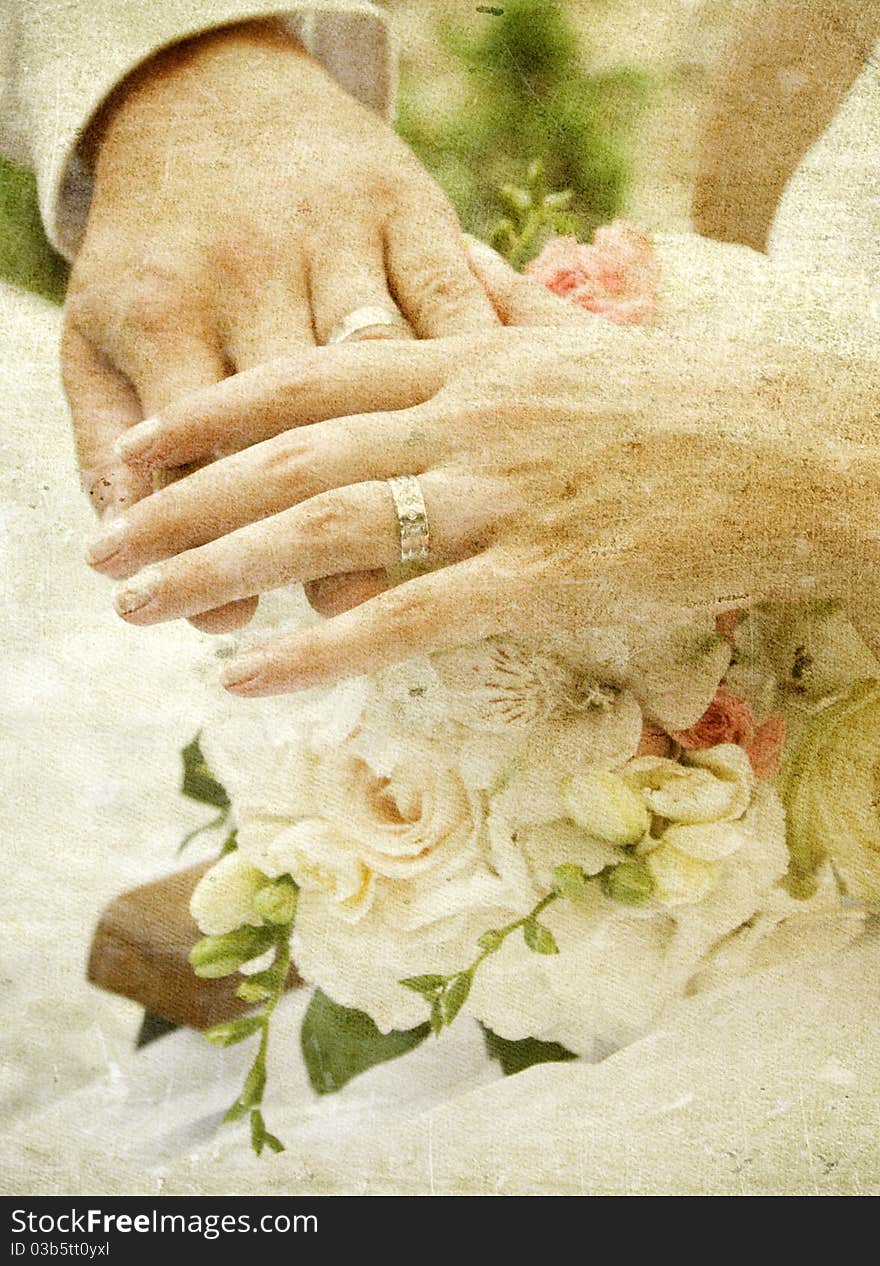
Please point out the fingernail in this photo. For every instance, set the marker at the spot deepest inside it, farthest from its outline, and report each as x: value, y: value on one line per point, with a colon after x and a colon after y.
x: 135, y: 442
x: 243, y: 672
x: 109, y: 541
x: 136, y: 593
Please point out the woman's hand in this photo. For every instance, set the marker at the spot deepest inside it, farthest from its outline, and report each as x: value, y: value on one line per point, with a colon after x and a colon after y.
x: 574, y: 475
x: 243, y: 205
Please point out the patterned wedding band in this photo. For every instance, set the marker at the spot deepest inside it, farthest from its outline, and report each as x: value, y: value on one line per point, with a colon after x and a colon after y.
x: 412, y: 518
x: 370, y: 320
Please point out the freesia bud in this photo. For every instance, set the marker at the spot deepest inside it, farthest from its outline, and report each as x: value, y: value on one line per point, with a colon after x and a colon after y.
x: 604, y: 806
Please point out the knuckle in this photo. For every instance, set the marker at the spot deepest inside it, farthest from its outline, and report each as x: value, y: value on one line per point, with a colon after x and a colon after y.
x: 239, y: 261
x: 291, y: 460
x: 151, y: 299
x: 443, y: 287
x: 325, y: 518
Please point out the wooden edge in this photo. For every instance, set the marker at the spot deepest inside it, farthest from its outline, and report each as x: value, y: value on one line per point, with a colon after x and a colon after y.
x: 141, y: 947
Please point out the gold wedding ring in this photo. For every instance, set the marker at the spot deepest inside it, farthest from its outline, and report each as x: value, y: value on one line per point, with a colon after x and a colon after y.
x: 412, y: 518
x: 370, y: 321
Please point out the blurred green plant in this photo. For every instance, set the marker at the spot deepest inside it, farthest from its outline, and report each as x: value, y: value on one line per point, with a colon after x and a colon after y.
x: 518, y: 91
x: 26, y: 258
x: 534, y: 213
x: 527, y: 96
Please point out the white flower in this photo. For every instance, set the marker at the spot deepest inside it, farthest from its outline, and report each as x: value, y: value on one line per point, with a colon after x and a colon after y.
x: 223, y: 898
x: 679, y: 879
x: 605, y: 807
x: 556, y: 843
x: 415, y: 818
x: 675, y: 674
x: 499, y: 684
x: 714, y: 785
x: 706, y: 841
x: 320, y: 859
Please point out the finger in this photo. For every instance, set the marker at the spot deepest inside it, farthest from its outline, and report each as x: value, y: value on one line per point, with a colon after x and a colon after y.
x: 331, y: 595
x: 165, y: 350
x: 346, y: 274
x: 163, y: 371
x: 517, y: 299
x: 269, y: 399
x: 274, y: 321
x: 349, y: 529
x: 463, y: 603
x: 264, y: 480
x: 102, y: 406
x: 429, y: 275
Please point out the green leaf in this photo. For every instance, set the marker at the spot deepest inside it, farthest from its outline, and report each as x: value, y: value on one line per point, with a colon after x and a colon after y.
x: 491, y: 940
x: 425, y: 985
x: 198, y: 781
x: 230, y: 844
x: 26, y: 258
x: 514, y: 1057
x: 517, y: 200
x: 560, y: 201
x: 254, y: 990
x: 216, y: 956
x: 230, y: 1032
x: 273, y: 1143
x: 436, y: 1021
x: 454, y: 996
x: 258, y: 1131
x: 569, y: 881
x: 539, y: 938
x: 254, y: 1084
x: 339, y: 1043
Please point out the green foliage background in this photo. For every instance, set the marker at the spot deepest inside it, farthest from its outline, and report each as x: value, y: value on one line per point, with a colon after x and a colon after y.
x: 526, y: 95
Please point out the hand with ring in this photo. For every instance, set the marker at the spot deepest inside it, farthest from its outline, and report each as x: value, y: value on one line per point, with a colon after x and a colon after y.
x: 245, y: 207
x: 567, y: 474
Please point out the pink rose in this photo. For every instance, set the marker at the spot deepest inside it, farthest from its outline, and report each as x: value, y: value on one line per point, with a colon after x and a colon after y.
x: 765, y: 748
x: 617, y: 276
x: 729, y: 719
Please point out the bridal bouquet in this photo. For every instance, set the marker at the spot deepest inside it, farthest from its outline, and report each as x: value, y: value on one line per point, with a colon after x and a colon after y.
x: 555, y: 839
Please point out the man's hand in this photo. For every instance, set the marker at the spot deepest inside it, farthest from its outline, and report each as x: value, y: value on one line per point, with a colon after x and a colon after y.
x: 575, y: 474
x: 243, y: 204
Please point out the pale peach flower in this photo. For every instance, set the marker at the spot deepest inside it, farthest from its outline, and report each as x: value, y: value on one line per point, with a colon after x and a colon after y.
x: 617, y: 275
x: 729, y: 719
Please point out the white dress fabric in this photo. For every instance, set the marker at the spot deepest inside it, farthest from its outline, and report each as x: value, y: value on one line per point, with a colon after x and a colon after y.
x: 771, y: 1085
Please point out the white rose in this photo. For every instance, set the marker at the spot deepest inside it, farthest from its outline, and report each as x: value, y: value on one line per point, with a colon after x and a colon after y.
x: 321, y: 860
x: 416, y: 818
x: 223, y: 898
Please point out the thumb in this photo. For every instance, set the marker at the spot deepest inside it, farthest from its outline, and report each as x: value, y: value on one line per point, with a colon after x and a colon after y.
x: 517, y: 299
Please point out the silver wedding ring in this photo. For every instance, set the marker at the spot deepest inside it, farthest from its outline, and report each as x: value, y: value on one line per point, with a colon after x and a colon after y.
x: 412, y: 518
x: 370, y: 321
